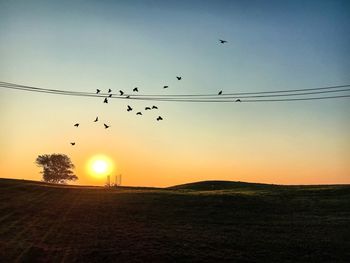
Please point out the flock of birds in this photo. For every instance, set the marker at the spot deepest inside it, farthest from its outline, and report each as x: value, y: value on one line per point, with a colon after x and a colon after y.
x: 129, y: 108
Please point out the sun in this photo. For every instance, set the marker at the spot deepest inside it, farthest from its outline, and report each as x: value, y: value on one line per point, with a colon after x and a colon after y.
x: 100, y: 166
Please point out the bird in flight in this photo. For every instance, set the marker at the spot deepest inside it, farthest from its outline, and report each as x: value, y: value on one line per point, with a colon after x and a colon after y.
x: 238, y: 100
x: 109, y: 90
x: 136, y: 89
x: 159, y: 118
x: 222, y: 41
x: 121, y: 92
x: 128, y: 97
x: 105, y: 101
x: 139, y: 113
x: 154, y: 107
x: 106, y: 126
x: 96, y: 119
x: 147, y: 108
x: 220, y: 92
x: 165, y: 87
x: 178, y: 78
x: 129, y: 108
x: 110, y: 95
x: 76, y: 125
x: 98, y: 91
x: 72, y: 143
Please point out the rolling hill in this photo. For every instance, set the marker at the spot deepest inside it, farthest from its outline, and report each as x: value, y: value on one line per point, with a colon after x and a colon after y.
x: 221, y: 185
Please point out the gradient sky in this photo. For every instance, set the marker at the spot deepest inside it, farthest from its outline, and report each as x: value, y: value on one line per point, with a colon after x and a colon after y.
x: 84, y: 45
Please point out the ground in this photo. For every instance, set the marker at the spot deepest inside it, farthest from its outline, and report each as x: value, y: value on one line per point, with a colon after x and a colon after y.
x: 201, y: 222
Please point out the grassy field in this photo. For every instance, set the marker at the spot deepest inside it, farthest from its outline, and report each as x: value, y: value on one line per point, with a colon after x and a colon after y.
x: 201, y: 222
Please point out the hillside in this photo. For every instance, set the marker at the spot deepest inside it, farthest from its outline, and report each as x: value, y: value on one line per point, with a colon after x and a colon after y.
x: 42, y: 222
x: 221, y: 185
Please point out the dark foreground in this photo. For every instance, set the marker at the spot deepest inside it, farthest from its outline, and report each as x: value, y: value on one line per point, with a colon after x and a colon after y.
x: 221, y: 222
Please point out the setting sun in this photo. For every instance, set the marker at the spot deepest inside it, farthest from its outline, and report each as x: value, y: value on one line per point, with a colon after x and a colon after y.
x: 100, y: 166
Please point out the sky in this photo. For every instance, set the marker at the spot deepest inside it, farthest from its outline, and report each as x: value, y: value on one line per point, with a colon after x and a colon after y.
x: 89, y: 45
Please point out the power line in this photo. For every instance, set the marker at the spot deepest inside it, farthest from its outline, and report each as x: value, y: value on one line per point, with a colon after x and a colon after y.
x: 243, y: 93
x: 295, y: 94
x: 262, y: 96
x: 155, y: 97
x: 16, y: 86
x: 190, y: 95
x: 52, y: 91
x: 248, y: 100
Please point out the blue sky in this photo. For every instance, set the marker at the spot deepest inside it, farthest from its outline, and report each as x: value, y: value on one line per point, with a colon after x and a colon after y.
x: 273, y: 45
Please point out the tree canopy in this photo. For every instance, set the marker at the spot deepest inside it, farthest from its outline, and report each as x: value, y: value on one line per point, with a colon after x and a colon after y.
x: 57, y: 168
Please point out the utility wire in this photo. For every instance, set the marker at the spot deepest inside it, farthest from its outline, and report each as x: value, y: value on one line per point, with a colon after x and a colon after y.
x: 207, y: 98
x: 251, y: 100
x: 189, y: 95
x: 155, y: 97
x: 243, y: 93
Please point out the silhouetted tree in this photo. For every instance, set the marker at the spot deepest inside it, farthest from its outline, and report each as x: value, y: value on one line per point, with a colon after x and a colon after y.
x: 57, y: 168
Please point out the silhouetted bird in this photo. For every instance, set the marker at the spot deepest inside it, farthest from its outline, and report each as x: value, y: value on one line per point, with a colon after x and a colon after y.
x: 165, y: 87
x: 72, y: 143
x: 129, y: 108
x: 110, y: 95
x: 109, y: 90
x: 135, y: 90
x: 121, y: 92
x: 154, y: 107
x: 96, y: 119
x: 98, y: 91
x: 238, y: 100
x: 147, y: 108
x: 128, y: 97
x: 105, y: 101
x: 106, y: 126
x: 178, y: 78
x: 159, y: 118
x: 139, y: 113
x: 76, y: 125
x: 220, y: 92
x: 222, y: 41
